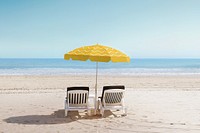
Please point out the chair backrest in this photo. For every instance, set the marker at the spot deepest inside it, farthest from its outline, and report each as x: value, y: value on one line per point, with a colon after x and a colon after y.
x: 113, y: 95
x: 120, y: 87
x: 77, y: 96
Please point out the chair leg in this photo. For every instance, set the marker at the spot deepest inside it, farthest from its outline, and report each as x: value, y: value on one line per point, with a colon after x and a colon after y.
x: 124, y: 111
x: 98, y: 104
x: 101, y: 109
x: 102, y: 112
x: 66, y: 112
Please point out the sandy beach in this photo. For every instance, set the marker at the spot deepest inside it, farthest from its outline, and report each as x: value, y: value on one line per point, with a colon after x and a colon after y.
x: 156, y: 104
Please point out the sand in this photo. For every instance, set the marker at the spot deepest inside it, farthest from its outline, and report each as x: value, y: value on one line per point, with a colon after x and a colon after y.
x: 156, y: 104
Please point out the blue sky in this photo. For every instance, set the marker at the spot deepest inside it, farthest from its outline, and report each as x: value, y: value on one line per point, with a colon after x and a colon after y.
x: 140, y: 28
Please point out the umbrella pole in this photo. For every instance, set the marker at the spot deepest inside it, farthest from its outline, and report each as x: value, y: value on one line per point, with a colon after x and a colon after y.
x: 96, y: 88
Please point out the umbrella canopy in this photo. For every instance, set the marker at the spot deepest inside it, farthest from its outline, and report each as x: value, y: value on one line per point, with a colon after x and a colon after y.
x: 97, y: 53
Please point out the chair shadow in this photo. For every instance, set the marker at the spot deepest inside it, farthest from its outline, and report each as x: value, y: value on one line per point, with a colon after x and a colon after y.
x: 55, y: 118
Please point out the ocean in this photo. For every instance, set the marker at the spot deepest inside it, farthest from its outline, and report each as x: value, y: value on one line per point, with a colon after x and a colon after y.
x: 135, y: 67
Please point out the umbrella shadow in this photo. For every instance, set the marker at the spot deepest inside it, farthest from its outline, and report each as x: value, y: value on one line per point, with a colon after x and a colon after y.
x: 57, y: 117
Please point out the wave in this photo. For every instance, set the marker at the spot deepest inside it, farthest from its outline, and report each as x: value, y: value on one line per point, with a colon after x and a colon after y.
x: 107, y: 71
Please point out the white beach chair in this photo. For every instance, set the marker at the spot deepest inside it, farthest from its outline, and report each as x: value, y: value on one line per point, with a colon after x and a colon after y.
x: 112, y: 99
x: 77, y: 99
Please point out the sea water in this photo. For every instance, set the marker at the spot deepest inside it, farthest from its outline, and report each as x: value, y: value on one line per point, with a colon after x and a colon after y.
x: 64, y: 67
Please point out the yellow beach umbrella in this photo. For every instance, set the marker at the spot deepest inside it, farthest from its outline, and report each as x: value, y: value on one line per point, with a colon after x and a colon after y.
x: 97, y: 53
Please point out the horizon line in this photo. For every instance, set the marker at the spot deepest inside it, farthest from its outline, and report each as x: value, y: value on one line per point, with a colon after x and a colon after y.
x: 130, y: 58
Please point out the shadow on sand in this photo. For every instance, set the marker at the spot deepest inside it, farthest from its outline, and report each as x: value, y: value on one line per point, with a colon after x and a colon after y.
x: 55, y: 118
